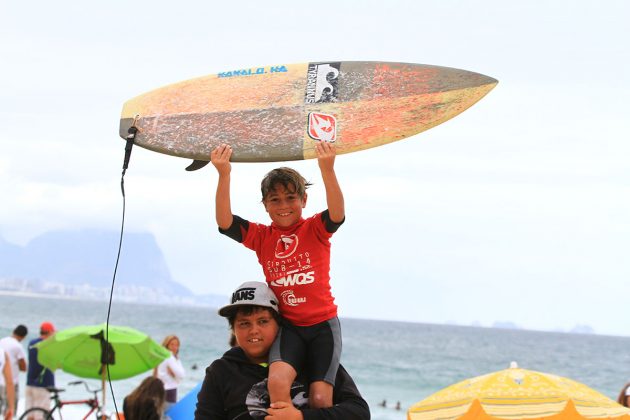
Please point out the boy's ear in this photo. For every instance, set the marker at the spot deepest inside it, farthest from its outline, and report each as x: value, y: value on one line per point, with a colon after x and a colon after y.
x: 304, y: 200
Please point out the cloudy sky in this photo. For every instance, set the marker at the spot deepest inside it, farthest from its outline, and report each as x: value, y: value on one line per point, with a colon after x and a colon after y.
x: 517, y: 210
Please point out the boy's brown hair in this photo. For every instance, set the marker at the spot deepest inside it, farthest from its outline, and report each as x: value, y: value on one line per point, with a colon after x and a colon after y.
x: 288, y: 178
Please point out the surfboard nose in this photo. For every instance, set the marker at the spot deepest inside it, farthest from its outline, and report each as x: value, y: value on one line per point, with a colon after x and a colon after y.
x: 429, y: 79
x: 479, y: 79
x: 385, y: 81
x: 487, y: 80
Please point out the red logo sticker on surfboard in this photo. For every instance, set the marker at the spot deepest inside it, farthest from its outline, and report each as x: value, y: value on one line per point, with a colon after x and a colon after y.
x: 322, y: 127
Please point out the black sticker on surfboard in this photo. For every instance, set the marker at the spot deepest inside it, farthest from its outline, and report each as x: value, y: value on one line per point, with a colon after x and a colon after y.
x: 322, y: 83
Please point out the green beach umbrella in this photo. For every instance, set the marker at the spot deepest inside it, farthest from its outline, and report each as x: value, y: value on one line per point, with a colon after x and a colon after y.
x: 81, y: 351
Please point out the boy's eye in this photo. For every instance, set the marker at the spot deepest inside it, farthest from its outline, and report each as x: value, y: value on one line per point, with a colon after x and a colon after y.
x: 243, y: 324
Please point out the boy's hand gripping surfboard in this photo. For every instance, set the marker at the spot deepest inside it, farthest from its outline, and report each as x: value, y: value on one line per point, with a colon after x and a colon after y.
x: 277, y: 113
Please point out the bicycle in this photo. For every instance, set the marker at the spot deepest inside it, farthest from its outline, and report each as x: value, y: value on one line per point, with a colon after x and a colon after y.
x: 55, y: 412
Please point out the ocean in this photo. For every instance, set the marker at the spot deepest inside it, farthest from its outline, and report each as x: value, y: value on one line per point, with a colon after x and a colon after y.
x: 392, y: 361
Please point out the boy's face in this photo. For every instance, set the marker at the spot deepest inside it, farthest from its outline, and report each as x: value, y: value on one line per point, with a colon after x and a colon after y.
x: 255, y: 333
x: 284, y: 205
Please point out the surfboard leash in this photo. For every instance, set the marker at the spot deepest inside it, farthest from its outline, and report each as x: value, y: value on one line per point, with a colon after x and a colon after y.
x: 131, y: 136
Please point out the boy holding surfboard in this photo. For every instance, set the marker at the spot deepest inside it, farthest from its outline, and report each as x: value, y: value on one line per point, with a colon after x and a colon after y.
x: 295, y: 255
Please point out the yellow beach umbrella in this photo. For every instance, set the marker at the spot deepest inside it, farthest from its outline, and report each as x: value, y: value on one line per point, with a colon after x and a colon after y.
x: 516, y: 393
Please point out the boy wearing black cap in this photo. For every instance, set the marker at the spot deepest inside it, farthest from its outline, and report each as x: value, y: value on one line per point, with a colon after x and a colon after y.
x: 235, y: 386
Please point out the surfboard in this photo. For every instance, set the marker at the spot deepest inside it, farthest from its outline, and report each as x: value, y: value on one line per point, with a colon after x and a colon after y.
x: 277, y: 113
x: 184, y: 409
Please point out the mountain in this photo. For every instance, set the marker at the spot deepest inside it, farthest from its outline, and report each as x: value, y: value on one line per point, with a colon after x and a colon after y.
x: 506, y: 325
x: 9, y: 257
x: 582, y: 329
x: 88, y: 257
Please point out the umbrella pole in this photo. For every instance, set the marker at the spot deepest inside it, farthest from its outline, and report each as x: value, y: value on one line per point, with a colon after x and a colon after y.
x: 103, y: 387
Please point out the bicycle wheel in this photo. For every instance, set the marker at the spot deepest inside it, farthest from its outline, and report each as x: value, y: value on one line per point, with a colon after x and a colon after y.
x: 36, y: 413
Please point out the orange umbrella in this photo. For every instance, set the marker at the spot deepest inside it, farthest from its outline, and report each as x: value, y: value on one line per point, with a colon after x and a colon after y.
x: 517, y: 394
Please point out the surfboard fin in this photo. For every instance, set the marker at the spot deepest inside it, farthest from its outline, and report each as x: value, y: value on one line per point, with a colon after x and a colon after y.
x: 196, y: 164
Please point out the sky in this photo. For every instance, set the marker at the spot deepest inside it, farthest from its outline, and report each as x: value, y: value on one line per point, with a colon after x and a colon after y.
x: 516, y: 210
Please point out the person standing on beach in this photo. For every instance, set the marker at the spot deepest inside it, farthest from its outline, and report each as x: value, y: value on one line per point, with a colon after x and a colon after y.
x: 170, y: 371
x: 39, y: 377
x: 295, y: 256
x: 7, y: 390
x: 13, y: 347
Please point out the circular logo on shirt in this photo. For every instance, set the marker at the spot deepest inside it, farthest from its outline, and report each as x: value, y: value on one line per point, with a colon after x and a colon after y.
x: 286, y: 246
x: 289, y: 298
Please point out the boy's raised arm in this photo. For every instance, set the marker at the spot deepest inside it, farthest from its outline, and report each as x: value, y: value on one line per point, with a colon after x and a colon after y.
x: 220, y: 158
x: 334, y: 197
